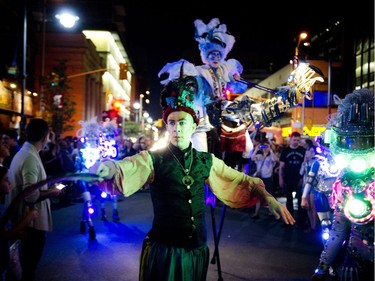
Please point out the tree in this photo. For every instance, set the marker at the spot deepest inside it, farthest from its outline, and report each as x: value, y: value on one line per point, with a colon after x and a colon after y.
x: 58, y: 101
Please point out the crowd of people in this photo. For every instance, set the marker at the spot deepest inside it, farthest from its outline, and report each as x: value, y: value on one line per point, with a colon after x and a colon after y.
x: 251, y: 176
x: 289, y: 164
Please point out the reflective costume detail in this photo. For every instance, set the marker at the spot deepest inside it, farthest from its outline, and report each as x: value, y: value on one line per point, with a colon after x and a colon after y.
x: 321, y: 176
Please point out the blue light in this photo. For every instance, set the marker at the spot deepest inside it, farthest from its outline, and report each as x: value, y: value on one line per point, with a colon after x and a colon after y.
x: 325, y: 234
x: 90, y: 210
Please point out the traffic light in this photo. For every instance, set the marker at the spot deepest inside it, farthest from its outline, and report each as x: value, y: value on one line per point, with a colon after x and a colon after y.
x: 117, y: 105
x: 54, y: 79
x: 123, y: 71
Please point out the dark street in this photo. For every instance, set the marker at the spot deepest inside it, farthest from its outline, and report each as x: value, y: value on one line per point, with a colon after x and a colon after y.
x: 257, y: 250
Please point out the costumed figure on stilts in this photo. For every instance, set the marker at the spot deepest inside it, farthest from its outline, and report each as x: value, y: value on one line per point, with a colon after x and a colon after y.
x: 350, y: 246
x: 213, y: 78
x: 224, y: 125
x: 215, y: 42
x: 98, y: 141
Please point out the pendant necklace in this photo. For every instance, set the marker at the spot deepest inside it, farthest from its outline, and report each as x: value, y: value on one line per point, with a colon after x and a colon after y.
x: 186, y: 180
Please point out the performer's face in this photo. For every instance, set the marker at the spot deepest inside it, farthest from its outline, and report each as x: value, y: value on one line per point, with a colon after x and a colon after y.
x: 180, y: 126
x: 214, y: 59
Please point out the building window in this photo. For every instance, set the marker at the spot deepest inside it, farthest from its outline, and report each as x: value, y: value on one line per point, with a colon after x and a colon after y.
x: 364, y: 68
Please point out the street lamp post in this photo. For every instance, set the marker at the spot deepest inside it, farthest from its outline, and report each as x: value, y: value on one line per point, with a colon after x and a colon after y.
x: 136, y: 106
x: 141, y: 96
x: 23, y: 87
x: 67, y: 20
x: 302, y: 36
x: 42, y: 73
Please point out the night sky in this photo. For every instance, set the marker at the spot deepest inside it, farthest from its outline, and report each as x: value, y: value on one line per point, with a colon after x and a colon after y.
x: 160, y: 32
x: 265, y: 33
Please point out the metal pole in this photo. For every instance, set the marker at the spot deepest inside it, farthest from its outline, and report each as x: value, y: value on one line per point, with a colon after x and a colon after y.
x: 329, y: 87
x: 303, y: 114
x: 23, y: 87
x: 295, y: 65
x: 41, y: 105
x: 141, y: 111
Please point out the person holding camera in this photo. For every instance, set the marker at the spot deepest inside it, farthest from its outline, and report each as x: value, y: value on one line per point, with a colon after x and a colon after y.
x: 265, y: 160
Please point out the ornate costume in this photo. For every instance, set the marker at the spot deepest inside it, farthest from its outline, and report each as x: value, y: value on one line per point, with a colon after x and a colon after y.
x: 176, y: 246
x: 321, y: 176
x: 179, y: 205
x: 353, y: 195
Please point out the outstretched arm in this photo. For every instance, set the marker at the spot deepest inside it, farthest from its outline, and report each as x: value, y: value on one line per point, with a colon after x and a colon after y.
x: 237, y: 190
x: 125, y: 176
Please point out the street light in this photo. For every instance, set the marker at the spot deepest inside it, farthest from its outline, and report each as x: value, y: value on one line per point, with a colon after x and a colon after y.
x: 137, y: 106
x: 302, y: 36
x: 68, y: 20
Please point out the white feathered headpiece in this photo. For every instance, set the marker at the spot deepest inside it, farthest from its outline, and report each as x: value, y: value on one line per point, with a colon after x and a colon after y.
x: 213, y: 37
x: 173, y: 70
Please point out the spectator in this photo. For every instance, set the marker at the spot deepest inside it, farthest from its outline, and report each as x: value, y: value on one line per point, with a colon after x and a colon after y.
x: 50, y: 159
x: 8, y: 234
x: 4, y: 153
x: 142, y: 144
x: 27, y: 169
x: 10, y: 137
x: 127, y: 149
x: 265, y: 161
x: 290, y: 180
x: 251, y: 168
x: 276, y: 148
x: 65, y: 155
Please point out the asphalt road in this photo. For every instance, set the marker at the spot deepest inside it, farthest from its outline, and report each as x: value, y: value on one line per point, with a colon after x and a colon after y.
x: 259, y: 250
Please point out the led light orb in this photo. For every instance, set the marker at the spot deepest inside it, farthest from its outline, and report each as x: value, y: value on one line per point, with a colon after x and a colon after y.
x: 90, y: 208
x: 341, y: 161
x: 104, y: 195
x: 358, y: 208
x: 372, y: 160
x: 325, y: 234
x: 358, y: 165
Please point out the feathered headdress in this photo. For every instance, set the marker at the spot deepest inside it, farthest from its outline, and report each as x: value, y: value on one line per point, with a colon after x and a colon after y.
x: 178, y: 95
x: 213, y: 37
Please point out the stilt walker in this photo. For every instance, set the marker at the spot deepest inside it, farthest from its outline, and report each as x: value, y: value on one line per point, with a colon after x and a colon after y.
x: 216, y: 112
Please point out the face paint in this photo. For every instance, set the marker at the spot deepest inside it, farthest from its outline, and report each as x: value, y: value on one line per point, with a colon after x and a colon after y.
x: 214, y: 55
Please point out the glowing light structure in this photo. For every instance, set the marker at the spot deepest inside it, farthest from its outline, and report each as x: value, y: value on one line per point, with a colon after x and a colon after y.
x: 99, y: 140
